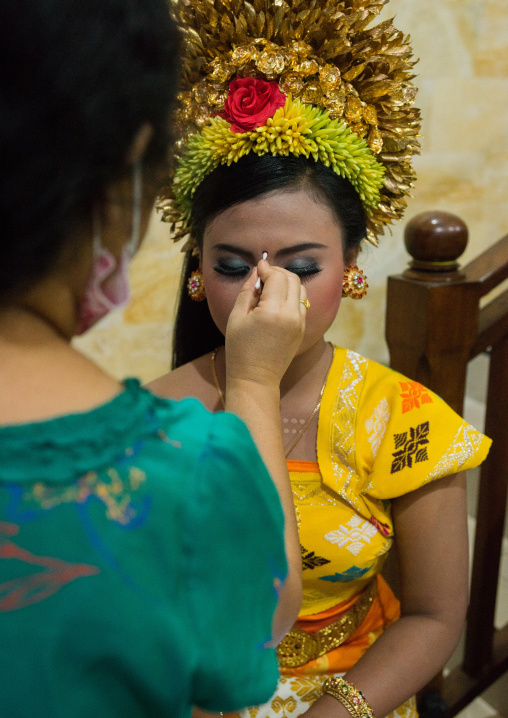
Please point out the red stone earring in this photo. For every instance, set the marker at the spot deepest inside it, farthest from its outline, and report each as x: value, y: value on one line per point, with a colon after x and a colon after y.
x: 195, y: 286
x: 354, y: 284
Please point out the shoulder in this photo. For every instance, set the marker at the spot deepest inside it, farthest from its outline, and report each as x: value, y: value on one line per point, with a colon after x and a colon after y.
x: 400, y: 433
x: 190, y: 436
x: 193, y: 379
x: 373, y: 382
x: 400, y: 393
x: 406, y: 435
x: 357, y: 381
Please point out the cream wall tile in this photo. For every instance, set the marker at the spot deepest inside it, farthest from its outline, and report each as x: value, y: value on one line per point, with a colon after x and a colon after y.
x: 439, y: 37
x: 469, y: 114
x: 463, y: 81
x: 491, y: 58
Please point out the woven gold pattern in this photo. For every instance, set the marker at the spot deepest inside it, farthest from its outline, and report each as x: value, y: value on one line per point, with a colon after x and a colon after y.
x: 299, y: 647
x: 342, y: 429
x: 350, y: 697
x: 295, y: 695
x: 320, y: 51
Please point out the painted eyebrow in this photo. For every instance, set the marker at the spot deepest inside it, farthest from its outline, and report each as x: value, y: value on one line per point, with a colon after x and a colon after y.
x: 281, y: 253
x: 234, y: 250
x: 299, y: 248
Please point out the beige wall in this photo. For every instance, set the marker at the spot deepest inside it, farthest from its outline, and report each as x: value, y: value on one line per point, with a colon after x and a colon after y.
x: 463, y: 81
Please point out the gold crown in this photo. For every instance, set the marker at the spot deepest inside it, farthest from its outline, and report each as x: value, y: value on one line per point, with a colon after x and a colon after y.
x: 321, y: 53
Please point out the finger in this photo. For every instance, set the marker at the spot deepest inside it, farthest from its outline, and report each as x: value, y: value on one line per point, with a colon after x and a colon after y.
x: 249, y: 295
x: 263, y: 268
x: 259, y: 280
x: 294, y: 288
x: 274, y: 283
x: 303, y: 301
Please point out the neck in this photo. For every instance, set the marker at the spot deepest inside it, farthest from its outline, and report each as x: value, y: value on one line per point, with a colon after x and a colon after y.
x: 24, y: 326
x: 303, y: 379
x: 307, y: 368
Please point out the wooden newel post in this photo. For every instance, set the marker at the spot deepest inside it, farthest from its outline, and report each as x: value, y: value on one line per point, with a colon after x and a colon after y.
x: 434, y: 327
x: 432, y: 311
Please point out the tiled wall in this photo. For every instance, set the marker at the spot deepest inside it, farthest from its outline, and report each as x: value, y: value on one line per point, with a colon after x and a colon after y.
x: 463, y: 81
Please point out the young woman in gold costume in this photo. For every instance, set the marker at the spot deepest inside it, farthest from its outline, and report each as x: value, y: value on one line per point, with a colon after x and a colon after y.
x: 297, y: 136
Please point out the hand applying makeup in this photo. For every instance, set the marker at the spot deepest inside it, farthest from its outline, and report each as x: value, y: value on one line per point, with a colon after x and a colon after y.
x: 266, y: 326
x: 264, y: 332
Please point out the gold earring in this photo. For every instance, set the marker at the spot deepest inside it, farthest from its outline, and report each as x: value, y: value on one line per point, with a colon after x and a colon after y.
x: 354, y: 284
x: 195, y: 286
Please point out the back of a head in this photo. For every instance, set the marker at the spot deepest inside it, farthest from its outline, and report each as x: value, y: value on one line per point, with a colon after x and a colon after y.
x: 78, y: 78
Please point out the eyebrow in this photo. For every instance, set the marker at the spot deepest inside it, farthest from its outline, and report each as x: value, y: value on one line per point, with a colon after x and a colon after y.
x: 281, y: 253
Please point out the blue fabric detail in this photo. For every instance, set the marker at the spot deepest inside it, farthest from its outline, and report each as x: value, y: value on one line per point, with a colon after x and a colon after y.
x: 350, y: 575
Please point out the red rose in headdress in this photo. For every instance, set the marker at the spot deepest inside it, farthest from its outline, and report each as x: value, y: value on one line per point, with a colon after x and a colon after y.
x: 251, y: 102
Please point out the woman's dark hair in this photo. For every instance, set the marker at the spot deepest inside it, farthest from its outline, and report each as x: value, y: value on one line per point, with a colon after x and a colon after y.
x: 252, y: 176
x: 78, y: 78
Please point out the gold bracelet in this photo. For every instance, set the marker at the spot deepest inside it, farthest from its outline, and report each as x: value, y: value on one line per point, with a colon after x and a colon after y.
x: 351, y: 698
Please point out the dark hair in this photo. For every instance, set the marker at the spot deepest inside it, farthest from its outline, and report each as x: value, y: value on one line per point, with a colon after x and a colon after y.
x: 78, y: 78
x: 252, y: 176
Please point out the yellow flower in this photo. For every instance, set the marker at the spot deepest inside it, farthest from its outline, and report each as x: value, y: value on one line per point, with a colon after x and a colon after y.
x: 296, y: 129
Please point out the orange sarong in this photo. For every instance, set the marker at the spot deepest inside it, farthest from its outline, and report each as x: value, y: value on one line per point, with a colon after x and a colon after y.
x: 384, y: 611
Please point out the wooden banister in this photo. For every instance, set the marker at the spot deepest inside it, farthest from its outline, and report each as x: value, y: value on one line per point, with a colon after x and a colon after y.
x: 434, y: 327
x: 490, y: 268
x: 432, y: 311
x: 492, y: 325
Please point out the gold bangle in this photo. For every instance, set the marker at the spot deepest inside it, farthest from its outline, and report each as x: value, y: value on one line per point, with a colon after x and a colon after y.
x: 351, y: 698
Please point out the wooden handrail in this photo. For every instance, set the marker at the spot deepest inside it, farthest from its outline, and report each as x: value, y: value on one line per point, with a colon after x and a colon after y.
x: 492, y: 325
x: 490, y: 268
x: 434, y: 327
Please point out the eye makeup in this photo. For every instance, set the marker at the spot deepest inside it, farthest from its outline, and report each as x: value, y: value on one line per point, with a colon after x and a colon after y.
x: 231, y: 268
x: 303, y: 268
x: 234, y: 268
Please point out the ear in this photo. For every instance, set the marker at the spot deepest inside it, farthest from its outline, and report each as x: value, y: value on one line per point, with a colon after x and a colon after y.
x: 139, y: 144
x: 118, y: 194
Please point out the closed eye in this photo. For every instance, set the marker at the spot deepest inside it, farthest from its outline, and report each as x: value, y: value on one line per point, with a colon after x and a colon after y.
x: 232, y: 270
x: 304, y: 271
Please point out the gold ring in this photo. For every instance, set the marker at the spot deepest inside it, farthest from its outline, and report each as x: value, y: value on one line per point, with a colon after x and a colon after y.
x: 305, y: 303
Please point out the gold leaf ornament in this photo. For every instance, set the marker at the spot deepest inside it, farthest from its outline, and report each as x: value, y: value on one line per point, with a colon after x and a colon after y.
x: 330, y: 78
x: 270, y: 63
x: 330, y: 55
x: 294, y: 129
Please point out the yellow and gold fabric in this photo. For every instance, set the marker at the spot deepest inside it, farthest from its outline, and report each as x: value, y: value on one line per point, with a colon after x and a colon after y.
x: 380, y: 436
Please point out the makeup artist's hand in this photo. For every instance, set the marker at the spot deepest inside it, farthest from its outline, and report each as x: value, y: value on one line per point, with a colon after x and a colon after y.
x: 266, y: 326
x: 264, y: 332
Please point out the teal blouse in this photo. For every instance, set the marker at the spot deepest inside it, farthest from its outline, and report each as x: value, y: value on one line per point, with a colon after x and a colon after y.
x: 139, y: 543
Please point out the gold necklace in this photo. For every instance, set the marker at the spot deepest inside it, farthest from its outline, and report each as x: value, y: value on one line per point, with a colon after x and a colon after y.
x: 301, y: 431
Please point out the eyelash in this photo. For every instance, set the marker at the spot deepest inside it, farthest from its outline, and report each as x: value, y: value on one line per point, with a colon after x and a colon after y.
x: 306, y: 273
x: 231, y: 273
x: 236, y: 273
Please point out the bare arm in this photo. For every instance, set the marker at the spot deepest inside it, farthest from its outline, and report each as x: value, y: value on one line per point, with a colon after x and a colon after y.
x: 261, y: 340
x: 432, y: 550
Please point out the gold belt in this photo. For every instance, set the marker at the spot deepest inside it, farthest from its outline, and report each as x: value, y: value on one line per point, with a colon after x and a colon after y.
x: 299, y: 647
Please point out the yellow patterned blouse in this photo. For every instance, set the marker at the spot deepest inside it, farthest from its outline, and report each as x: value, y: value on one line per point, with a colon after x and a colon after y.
x: 380, y: 436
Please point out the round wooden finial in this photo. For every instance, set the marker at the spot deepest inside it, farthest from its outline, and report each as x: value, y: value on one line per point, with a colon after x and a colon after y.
x: 435, y: 240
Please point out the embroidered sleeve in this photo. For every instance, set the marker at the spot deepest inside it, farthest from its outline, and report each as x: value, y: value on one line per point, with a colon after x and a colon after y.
x: 381, y: 436
x: 413, y: 437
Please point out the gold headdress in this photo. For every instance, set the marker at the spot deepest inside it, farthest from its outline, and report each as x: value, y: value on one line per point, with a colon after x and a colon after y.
x: 321, y: 83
